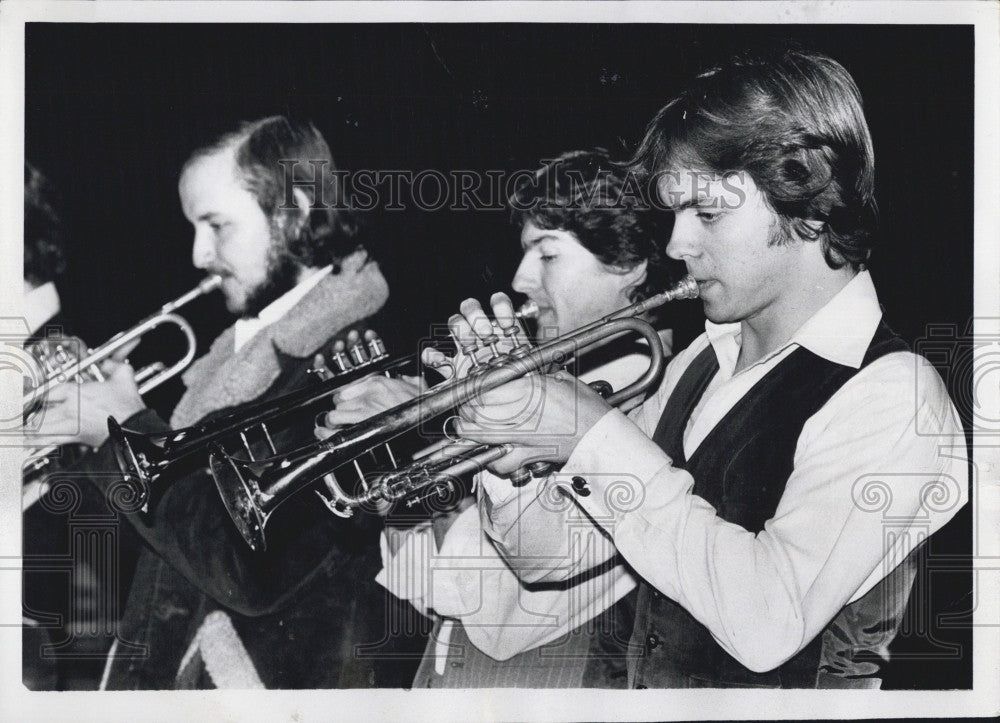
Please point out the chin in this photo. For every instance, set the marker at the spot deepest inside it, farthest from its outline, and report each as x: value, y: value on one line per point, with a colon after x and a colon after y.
x: 236, y: 307
x: 720, y: 316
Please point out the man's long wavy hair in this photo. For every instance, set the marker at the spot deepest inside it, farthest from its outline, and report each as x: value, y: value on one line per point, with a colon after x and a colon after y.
x: 793, y: 120
x: 263, y: 150
x: 584, y: 193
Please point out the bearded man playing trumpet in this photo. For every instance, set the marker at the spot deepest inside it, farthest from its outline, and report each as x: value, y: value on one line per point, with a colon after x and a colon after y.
x: 741, y: 493
x: 208, y: 611
x: 584, y: 256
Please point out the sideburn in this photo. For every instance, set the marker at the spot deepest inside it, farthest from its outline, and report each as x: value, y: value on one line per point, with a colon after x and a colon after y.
x: 282, y: 275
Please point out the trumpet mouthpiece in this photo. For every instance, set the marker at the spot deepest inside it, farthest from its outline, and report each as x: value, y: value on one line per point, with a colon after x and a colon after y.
x: 686, y: 288
x: 210, y: 283
x: 528, y: 310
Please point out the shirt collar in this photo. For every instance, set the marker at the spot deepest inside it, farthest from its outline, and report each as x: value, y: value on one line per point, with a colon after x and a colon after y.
x: 246, y: 328
x: 40, y: 305
x: 840, y: 331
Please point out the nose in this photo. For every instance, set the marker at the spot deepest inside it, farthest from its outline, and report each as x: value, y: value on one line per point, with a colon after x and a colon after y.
x: 203, y: 251
x: 683, y: 239
x: 526, y: 279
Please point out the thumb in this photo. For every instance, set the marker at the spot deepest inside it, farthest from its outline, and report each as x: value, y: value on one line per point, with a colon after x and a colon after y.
x: 438, y: 361
x: 123, y: 352
x: 117, y: 368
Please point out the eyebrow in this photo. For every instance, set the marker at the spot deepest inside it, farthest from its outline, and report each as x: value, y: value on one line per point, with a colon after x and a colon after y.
x: 703, y: 202
x: 535, y: 241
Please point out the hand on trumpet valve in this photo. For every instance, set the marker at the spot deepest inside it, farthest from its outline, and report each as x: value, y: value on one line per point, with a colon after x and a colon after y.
x: 78, y: 413
x: 542, y: 415
x: 479, y: 342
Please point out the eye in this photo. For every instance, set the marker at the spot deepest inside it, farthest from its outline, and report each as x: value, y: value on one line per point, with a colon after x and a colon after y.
x: 548, y: 258
x: 708, y: 217
x: 218, y: 226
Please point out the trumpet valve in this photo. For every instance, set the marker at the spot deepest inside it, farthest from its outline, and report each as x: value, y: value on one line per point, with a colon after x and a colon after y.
x: 376, y: 347
x: 338, y: 358
x: 491, y: 341
x: 513, y: 333
x: 470, y: 350
x: 358, y: 354
x: 62, y: 356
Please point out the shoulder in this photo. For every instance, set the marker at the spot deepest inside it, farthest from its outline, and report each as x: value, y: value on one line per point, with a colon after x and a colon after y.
x: 899, y: 390
x: 903, y: 373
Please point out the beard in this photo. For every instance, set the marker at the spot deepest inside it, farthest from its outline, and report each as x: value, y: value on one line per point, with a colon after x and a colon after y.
x: 282, y: 276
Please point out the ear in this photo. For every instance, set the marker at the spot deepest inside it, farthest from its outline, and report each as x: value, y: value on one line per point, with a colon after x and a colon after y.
x: 293, y: 220
x: 633, y: 277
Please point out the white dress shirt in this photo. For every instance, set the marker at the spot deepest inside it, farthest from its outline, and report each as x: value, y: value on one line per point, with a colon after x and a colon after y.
x: 879, y: 467
x: 246, y: 328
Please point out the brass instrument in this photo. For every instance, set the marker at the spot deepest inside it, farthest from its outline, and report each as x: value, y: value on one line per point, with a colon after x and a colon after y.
x: 252, y: 490
x: 59, y: 363
x: 145, y: 459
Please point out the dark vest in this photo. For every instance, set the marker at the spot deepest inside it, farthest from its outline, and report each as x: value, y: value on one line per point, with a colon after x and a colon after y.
x: 741, y: 469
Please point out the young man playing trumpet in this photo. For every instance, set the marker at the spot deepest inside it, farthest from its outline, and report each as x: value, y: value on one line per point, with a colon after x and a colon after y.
x: 584, y: 256
x: 207, y: 610
x: 741, y: 493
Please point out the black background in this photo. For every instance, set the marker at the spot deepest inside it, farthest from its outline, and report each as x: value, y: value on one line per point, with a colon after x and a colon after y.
x: 112, y: 111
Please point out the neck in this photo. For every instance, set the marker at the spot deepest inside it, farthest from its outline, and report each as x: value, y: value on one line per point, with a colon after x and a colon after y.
x: 770, y: 329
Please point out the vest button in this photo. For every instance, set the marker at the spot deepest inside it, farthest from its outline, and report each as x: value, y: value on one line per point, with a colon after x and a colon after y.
x: 580, y: 486
x: 652, y: 642
x: 656, y: 594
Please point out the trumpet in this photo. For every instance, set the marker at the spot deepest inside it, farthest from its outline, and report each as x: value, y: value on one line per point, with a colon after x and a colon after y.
x: 59, y: 363
x: 252, y: 490
x: 146, y: 460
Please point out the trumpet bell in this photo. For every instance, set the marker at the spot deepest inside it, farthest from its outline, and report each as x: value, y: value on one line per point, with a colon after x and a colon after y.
x: 239, y: 489
x: 137, y: 456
